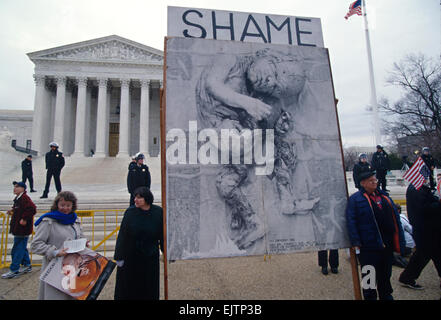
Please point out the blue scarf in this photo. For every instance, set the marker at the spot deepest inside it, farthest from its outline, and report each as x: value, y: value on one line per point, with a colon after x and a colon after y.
x: 59, y: 216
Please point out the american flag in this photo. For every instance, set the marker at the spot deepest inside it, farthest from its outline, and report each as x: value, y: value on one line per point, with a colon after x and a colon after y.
x: 417, y: 174
x: 354, y: 8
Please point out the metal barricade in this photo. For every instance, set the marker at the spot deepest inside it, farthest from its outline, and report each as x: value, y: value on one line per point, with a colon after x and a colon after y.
x: 99, y: 226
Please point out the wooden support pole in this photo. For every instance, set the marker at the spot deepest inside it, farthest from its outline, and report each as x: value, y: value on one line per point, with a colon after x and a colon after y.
x: 162, y: 108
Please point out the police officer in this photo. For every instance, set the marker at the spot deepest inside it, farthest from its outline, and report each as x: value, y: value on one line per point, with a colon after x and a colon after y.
x: 54, y: 164
x: 381, y: 164
x: 362, y: 166
x: 430, y: 163
x: 26, y: 170
x: 138, y: 176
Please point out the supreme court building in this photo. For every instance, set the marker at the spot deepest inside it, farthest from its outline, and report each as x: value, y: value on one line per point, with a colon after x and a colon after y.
x: 98, y: 97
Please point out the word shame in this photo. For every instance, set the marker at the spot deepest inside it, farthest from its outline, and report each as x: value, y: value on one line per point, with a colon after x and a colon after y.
x: 246, y: 27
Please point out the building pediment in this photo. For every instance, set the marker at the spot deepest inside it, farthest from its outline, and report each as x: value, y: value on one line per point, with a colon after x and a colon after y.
x: 111, y: 49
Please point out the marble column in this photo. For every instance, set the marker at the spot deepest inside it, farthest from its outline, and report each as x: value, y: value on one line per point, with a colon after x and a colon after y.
x: 124, y: 119
x: 68, y: 141
x: 144, y: 118
x: 60, y: 112
x: 80, y: 124
x: 101, y: 118
x: 40, y: 113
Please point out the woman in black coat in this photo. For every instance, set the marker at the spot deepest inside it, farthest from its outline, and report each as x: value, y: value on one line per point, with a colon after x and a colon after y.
x: 137, y: 249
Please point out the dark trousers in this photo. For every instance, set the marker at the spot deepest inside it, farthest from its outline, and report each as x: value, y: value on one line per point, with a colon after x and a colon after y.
x: 323, y: 258
x: 49, y: 175
x: 381, y: 176
x: 381, y: 260
x: 132, y: 200
x: 31, y: 180
x: 417, y: 263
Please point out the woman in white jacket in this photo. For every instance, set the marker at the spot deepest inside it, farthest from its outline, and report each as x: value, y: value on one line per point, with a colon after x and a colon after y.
x: 52, y: 229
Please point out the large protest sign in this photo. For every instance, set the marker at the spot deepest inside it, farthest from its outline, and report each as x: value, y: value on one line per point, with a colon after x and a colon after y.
x: 253, y: 150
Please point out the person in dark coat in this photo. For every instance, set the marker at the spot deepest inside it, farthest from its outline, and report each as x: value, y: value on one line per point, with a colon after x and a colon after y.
x: 21, y: 226
x: 54, y: 164
x: 430, y: 163
x: 138, y: 176
x: 26, y: 170
x: 374, y: 228
x: 360, y: 167
x: 381, y: 164
x: 137, y: 249
x: 424, y: 212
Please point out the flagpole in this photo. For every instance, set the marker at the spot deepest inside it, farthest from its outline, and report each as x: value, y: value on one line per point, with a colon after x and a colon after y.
x: 371, y: 78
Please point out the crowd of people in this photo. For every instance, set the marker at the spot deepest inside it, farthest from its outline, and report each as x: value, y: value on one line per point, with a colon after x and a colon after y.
x: 378, y: 230
x: 139, y: 238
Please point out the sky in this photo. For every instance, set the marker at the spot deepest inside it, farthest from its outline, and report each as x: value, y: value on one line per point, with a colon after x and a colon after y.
x: 397, y: 28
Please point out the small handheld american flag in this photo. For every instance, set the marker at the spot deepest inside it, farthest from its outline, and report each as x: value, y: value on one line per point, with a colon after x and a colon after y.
x: 354, y: 8
x: 417, y: 174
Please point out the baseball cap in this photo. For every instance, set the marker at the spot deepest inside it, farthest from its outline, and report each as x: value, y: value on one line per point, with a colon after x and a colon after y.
x: 20, y: 184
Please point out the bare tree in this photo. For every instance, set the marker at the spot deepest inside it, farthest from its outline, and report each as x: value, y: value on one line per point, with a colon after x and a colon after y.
x: 418, y: 112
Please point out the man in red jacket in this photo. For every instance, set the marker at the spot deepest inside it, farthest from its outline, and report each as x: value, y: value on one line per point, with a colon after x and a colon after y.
x: 22, y: 212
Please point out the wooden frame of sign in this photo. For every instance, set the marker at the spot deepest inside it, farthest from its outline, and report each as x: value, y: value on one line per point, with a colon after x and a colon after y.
x: 163, y: 103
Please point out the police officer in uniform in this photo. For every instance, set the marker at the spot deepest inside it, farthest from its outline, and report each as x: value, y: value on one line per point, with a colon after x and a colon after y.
x: 27, y: 174
x: 360, y: 167
x: 430, y: 163
x: 381, y: 164
x: 138, y: 176
x: 54, y: 164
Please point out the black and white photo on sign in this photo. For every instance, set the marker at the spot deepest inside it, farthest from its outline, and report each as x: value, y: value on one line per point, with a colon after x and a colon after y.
x: 253, y: 151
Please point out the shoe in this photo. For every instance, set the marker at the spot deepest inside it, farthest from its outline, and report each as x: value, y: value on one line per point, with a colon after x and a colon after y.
x: 25, y: 269
x: 325, y: 270
x: 10, y: 274
x: 33, y: 190
x: 334, y: 270
x: 412, y: 285
x: 43, y: 196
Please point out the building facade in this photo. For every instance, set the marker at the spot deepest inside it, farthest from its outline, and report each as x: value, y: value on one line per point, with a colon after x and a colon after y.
x: 17, y: 124
x: 98, y: 97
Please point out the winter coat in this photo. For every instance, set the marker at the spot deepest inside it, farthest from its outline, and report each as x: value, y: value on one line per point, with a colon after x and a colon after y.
x: 424, y: 212
x: 50, y: 236
x: 26, y: 167
x: 359, y: 168
x: 54, y: 160
x: 138, y: 176
x: 362, y: 226
x: 380, y: 161
x: 23, y: 208
x: 408, y: 231
x: 138, y: 242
